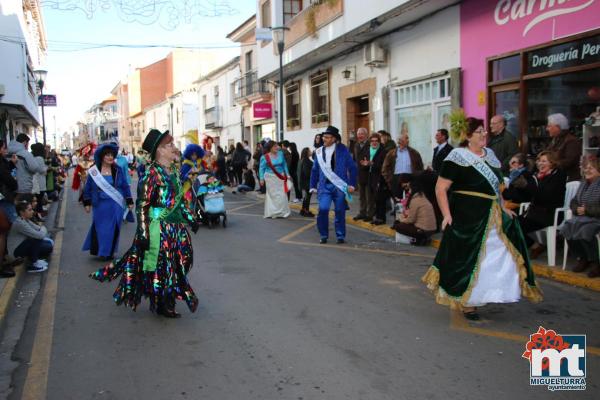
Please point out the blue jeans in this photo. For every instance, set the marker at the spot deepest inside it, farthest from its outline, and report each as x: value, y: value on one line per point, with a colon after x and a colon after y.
x: 329, y: 193
x: 9, y: 209
x: 33, y: 249
x: 244, y: 188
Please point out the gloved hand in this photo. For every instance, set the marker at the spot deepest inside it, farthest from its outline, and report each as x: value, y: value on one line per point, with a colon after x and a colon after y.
x: 195, y: 226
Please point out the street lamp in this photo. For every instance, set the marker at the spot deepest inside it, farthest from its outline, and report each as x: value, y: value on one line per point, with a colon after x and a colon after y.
x: 40, y: 77
x: 279, y: 38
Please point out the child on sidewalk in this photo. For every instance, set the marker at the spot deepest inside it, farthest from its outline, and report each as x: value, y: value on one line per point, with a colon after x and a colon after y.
x: 32, y: 239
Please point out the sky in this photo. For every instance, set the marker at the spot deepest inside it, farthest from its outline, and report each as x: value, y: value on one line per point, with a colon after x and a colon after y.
x: 81, y: 76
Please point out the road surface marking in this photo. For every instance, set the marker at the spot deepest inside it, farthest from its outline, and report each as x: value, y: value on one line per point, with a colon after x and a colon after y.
x: 242, y: 207
x: 459, y: 323
x: 287, y: 240
x: 296, y: 232
x: 36, y: 381
x: 263, y: 216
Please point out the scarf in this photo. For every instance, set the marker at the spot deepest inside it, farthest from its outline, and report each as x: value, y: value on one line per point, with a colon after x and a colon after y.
x: 284, y: 178
x: 542, y: 175
x: 515, y: 173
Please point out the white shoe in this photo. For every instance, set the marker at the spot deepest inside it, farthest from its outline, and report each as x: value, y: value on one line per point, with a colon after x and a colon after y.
x: 295, y: 201
x: 37, y: 267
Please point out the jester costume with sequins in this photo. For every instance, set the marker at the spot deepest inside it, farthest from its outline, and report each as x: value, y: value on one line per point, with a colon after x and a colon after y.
x: 156, y: 264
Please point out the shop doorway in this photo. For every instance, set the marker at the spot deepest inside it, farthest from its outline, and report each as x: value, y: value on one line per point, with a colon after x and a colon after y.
x: 358, y: 114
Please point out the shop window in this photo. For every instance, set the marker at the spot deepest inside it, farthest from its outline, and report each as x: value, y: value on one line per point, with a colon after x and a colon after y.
x: 420, y: 109
x: 293, y: 113
x: 290, y: 9
x: 506, y: 103
x: 437, y: 89
x: 506, y: 68
x: 319, y: 95
x: 576, y: 95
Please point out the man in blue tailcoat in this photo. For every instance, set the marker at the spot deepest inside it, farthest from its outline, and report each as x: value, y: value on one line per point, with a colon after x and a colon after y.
x: 333, y: 177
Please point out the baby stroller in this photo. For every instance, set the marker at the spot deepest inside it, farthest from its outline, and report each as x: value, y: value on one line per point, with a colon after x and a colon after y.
x: 209, y: 204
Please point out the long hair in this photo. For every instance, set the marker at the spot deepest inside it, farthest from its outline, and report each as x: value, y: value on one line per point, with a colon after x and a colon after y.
x: 304, y: 153
x: 320, y: 140
x: 268, y: 146
x: 418, y: 184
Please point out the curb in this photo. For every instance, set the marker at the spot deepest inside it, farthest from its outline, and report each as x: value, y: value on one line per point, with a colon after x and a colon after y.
x: 8, y: 293
x: 540, y: 270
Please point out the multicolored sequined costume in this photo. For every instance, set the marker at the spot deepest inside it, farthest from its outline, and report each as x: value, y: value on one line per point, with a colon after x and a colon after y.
x: 161, y: 255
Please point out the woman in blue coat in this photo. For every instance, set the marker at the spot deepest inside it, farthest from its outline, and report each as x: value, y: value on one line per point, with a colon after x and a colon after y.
x: 109, y: 194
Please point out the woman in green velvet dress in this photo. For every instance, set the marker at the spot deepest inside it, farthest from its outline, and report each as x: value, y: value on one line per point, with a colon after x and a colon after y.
x: 483, y: 256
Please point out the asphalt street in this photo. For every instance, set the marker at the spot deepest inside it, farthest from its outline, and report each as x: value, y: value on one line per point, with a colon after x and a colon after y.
x: 282, y: 317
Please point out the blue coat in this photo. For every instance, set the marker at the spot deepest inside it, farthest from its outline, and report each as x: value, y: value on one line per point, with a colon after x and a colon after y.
x: 103, y: 236
x: 345, y: 168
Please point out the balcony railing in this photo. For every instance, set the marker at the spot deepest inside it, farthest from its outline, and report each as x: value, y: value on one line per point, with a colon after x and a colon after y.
x: 212, y: 118
x: 249, y: 85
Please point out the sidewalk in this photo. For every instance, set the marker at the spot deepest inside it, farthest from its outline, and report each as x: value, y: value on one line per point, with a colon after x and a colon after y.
x: 9, y: 286
x: 541, y: 269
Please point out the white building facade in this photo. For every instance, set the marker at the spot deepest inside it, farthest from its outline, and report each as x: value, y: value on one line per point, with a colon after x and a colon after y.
x: 393, y: 65
x: 22, y: 51
x: 185, y: 116
x: 219, y: 114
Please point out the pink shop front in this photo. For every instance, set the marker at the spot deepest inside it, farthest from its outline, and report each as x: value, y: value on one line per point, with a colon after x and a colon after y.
x: 526, y: 59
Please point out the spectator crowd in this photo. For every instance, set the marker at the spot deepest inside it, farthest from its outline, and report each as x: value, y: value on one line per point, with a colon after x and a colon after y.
x: 392, y: 180
x: 31, y: 177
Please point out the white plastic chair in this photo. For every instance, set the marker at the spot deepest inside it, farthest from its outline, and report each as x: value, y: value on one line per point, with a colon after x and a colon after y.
x: 568, y: 216
x: 551, y: 231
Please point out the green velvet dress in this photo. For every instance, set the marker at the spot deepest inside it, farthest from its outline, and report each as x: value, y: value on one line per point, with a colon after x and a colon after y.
x: 475, y: 210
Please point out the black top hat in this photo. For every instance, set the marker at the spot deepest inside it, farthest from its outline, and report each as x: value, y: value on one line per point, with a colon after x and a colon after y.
x: 332, y: 130
x: 152, y: 141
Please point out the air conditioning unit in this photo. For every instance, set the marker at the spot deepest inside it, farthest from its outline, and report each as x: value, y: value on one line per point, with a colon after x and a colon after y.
x: 374, y: 55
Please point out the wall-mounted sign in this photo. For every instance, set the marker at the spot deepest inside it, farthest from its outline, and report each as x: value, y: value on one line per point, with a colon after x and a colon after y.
x: 48, y: 99
x: 262, y: 110
x: 580, y: 52
x: 481, y: 98
x: 264, y: 34
x: 507, y: 11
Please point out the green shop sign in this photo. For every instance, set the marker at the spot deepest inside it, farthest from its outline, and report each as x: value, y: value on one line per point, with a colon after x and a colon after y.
x: 571, y: 54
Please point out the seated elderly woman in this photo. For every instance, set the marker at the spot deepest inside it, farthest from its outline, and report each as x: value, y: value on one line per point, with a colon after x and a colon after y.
x: 581, y: 230
x: 521, y: 184
x: 418, y: 219
x: 549, y: 194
